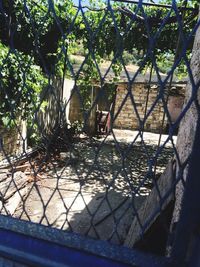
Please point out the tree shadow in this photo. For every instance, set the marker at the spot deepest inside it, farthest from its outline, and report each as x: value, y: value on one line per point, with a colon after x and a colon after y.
x: 107, y: 216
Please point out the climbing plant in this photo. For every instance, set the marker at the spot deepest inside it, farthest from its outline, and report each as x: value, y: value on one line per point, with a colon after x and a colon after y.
x: 37, y: 38
x: 21, y: 82
x: 39, y: 27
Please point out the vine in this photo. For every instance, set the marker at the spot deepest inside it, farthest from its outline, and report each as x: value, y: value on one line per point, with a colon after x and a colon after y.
x: 38, y: 37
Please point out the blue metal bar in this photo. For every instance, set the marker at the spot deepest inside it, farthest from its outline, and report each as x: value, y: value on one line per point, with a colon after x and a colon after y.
x: 37, y: 252
x: 39, y: 245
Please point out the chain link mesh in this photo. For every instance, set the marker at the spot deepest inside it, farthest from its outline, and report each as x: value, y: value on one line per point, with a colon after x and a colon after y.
x: 91, y: 99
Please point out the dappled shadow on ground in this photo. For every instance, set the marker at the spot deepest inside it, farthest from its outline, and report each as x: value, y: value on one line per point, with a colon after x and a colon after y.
x: 107, y: 216
x: 95, y: 188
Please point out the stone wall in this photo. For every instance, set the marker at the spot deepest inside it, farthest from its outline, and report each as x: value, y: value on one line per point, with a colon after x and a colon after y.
x: 127, y: 118
x: 13, y: 141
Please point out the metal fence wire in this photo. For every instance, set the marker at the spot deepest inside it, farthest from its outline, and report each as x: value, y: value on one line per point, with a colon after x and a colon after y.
x: 98, y: 120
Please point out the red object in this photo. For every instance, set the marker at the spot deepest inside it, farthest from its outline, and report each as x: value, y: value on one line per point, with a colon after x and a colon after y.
x: 102, y: 122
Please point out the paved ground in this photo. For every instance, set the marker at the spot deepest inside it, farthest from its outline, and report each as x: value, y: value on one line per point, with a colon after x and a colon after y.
x: 95, y: 188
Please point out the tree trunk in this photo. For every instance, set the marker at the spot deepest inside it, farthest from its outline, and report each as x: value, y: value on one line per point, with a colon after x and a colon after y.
x: 187, y: 128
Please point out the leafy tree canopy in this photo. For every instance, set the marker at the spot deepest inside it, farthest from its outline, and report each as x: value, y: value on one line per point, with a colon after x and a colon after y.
x: 37, y: 37
x: 39, y: 28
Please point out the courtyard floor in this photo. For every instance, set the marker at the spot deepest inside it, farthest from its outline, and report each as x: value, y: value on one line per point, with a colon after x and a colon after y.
x: 96, y: 187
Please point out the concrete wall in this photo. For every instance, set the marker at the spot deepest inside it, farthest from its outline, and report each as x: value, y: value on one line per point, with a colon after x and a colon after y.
x: 75, y: 109
x: 58, y: 97
x: 47, y: 119
x: 67, y: 97
x: 127, y: 118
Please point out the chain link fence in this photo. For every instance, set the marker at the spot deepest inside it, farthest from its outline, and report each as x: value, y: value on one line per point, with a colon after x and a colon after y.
x: 92, y: 97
